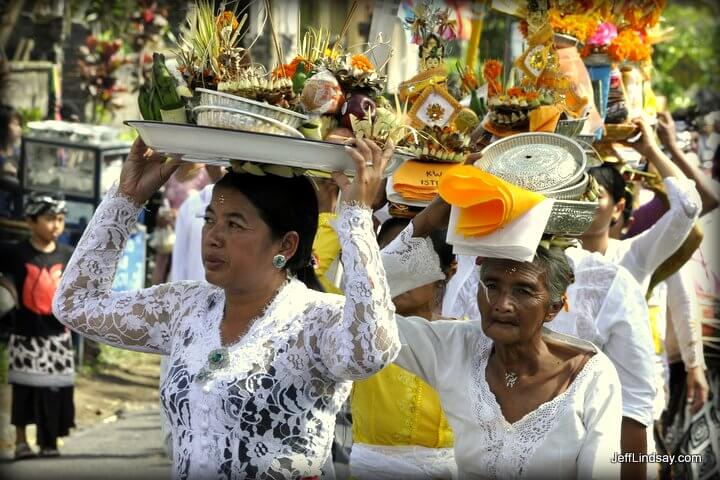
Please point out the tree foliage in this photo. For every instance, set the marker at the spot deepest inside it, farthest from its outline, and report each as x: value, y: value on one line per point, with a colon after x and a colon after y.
x: 688, y: 62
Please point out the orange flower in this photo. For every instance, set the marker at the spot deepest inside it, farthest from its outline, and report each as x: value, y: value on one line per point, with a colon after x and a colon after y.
x: 492, y: 69
x: 578, y: 26
x: 532, y: 96
x: 362, y: 62
x: 629, y: 45
x: 227, y: 18
x: 516, y: 92
x: 289, y: 68
x: 470, y: 81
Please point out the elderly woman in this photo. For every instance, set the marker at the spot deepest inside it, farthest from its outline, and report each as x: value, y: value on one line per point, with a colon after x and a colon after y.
x: 258, y: 363
x: 523, y: 401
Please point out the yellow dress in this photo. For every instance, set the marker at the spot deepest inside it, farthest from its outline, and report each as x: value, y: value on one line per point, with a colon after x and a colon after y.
x: 326, y: 249
x: 394, y: 408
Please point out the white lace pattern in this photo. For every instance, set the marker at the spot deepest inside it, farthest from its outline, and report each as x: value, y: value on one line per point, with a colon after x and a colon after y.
x: 270, y: 411
x: 410, y: 262
x: 593, y: 278
x: 509, y: 447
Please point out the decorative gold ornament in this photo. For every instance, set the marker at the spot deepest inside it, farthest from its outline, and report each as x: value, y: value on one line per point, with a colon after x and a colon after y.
x: 435, y: 107
x: 435, y: 111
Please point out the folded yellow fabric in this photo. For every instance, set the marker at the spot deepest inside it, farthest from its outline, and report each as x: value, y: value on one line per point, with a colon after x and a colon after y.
x: 419, y: 180
x: 486, y: 202
x: 545, y: 118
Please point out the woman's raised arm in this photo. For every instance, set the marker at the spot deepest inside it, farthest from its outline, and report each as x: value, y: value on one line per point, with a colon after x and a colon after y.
x: 84, y: 300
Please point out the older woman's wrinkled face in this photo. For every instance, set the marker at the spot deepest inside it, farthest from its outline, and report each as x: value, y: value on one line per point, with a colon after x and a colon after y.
x: 514, y: 300
x: 237, y: 245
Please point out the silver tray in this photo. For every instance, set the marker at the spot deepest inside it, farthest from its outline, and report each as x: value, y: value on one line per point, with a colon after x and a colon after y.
x: 217, y: 146
x: 573, y: 192
x: 539, y: 162
x: 571, y: 127
x: 221, y: 99
x: 571, y: 218
x: 235, y: 119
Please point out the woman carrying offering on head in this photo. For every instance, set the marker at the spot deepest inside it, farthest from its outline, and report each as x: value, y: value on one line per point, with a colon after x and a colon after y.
x: 259, y: 364
x: 523, y: 402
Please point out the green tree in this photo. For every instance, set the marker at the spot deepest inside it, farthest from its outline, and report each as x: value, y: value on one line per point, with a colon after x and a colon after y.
x: 687, y: 62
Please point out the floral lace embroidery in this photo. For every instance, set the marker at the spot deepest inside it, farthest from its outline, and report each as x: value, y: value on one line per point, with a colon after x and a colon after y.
x: 509, y: 447
x: 270, y: 412
x: 593, y: 278
x: 410, y: 262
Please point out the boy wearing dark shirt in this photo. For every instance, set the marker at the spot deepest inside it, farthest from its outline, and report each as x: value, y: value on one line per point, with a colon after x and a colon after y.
x: 40, y: 366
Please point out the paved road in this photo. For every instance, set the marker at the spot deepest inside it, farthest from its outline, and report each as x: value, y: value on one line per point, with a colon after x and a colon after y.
x: 128, y: 448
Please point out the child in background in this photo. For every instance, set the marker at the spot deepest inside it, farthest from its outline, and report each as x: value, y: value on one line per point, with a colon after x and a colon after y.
x: 41, y: 367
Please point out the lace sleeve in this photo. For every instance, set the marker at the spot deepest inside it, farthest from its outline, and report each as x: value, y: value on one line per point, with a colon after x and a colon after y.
x: 84, y: 301
x: 410, y: 262
x: 361, y: 339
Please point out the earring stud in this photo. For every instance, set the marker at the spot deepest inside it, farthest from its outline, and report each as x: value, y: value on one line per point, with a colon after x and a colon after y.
x: 279, y: 261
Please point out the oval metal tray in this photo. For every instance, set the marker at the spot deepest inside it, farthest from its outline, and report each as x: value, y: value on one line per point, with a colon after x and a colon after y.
x: 539, y: 162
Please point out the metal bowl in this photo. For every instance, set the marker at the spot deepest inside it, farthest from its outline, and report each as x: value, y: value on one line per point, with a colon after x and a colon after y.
x: 573, y: 192
x: 565, y: 40
x: 236, y: 119
x: 539, y: 162
x: 571, y: 218
x: 587, y: 138
x: 571, y: 127
x: 221, y: 99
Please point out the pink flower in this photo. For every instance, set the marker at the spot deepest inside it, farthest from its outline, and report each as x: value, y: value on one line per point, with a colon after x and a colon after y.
x: 148, y: 16
x: 604, y: 34
x: 416, y: 39
x: 448, y: 33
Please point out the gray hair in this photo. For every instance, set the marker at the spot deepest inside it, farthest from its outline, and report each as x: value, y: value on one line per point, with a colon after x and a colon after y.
x: 558, y: 272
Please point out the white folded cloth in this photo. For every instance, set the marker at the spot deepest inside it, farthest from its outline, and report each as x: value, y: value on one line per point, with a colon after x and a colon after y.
x: 517, y: 240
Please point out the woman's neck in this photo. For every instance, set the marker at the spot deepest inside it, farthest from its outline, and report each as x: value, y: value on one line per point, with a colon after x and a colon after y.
x: 42, y: 245
x: 596, y: 243
x: 424, y: 312
x: 242, y: 307
x: 521, y: 358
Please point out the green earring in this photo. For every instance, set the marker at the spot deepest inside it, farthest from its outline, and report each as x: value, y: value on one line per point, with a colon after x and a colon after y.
x: 279, y: 261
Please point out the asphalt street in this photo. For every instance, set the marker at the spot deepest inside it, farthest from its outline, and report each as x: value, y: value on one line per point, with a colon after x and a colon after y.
x: 127, y: 446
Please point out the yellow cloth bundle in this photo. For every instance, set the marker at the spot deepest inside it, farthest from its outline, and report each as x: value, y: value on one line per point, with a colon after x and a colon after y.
x: 545, y: 118
x: 486, y: 202
x: 419, y: 180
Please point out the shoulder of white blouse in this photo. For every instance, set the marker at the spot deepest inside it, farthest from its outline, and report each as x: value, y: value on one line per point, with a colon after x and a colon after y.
x: 594, y: 268
x: 604, y: 370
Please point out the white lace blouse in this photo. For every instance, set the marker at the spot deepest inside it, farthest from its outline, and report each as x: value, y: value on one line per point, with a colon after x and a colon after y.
x: 268, y: 410
x: 575, y: 435
x: 606, y: 307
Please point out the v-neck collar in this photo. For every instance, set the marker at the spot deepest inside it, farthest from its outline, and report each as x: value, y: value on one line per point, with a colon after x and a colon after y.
x: 256, y: 324
x: 489, y: 397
